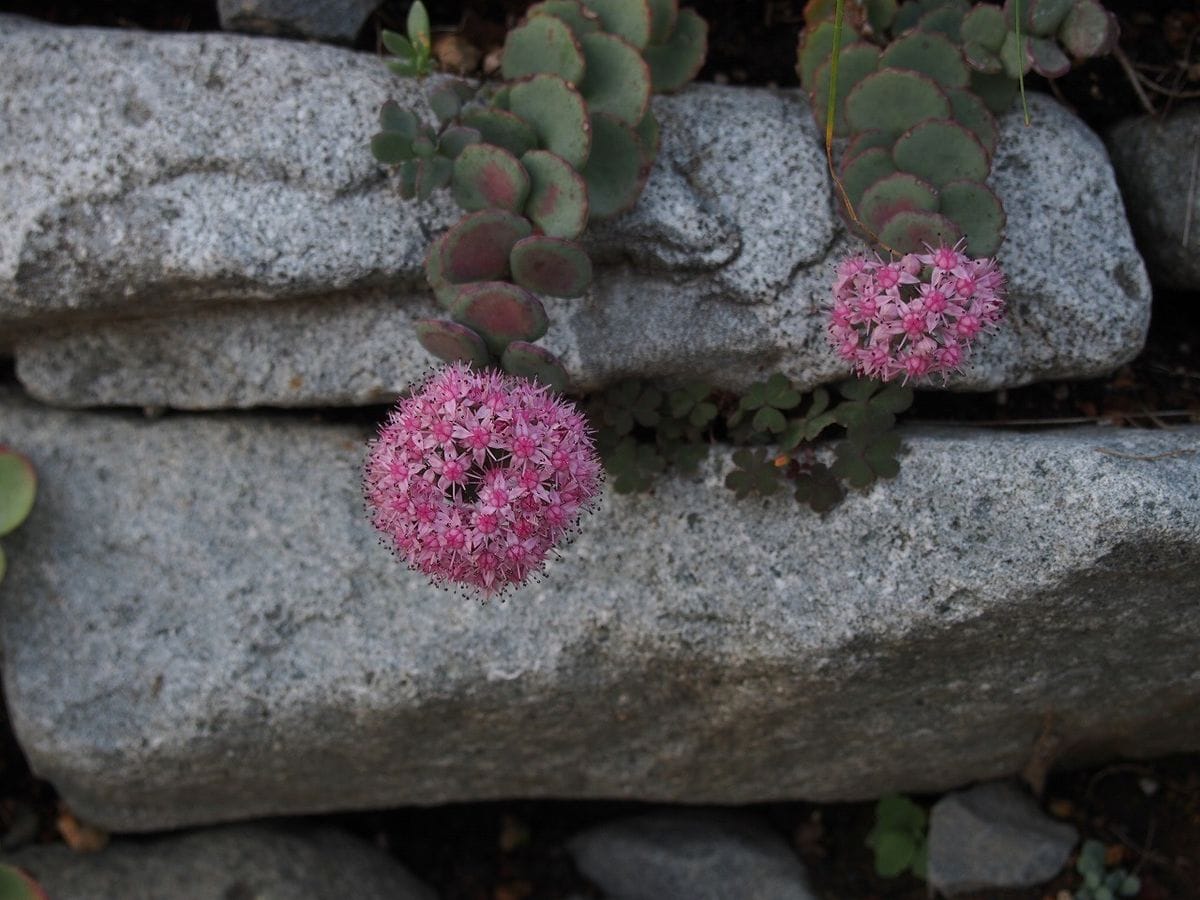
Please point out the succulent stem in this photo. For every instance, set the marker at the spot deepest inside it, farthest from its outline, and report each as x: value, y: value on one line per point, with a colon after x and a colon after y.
x: 1020, y: 73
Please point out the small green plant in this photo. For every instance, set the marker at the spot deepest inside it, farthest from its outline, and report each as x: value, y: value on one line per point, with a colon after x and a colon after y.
x: 414, y: 53
x: 1099, y: 881
x: 567, y: 139
x: 899, y: 837
x: 642, y: 429
x: 18, y: 487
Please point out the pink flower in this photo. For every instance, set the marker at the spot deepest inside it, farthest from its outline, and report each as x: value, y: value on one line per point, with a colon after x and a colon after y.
x: 476, y: 476
x: 915, y: 317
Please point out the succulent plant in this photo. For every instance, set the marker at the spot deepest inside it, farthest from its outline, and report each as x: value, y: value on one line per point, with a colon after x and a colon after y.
x: 1099, y: 881
x: 899, y: 837
x: 413, y: 53
x: 569, y: 138
x: 918, y: 87
x: 18, y: 488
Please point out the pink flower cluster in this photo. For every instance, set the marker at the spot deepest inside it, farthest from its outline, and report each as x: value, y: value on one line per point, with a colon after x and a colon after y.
x: 914, y: 317
x: 477, y: 475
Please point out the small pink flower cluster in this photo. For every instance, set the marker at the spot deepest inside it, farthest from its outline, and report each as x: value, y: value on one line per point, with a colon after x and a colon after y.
x: 477, y: 475
x: 914, y: 317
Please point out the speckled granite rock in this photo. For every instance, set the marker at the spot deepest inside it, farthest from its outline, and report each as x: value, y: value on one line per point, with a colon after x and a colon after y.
x: 1158, y: 168
x: 244, y: 862
x: 690, y: 855
x: 197, y: 624
x: 168, y: 184
x: 993, y: 837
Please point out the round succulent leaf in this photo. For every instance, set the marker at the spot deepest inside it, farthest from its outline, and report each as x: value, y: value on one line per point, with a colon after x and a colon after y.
x: 391, y: 148
x: 557, y: 114
x: 985, y: 25
x: 907, y: 16
x: 1088, y: 30
x: 1047, y: 59
x: 858, y: 60
x: 815, y: 47
x: 1043, y: 17
x: 944, y: 20
x: 617, y: 80
x: 861, y: 171
x: 478, y: 246
x: 663, y: 16
x: 432, y: 174
x: 881, y: 14
x: 452, y: 341
x: 972, y: 112
x: 941, y: 151
x: 931, y: 54
x: 865, y: 140
x: 394, y: 118
x: 455, y: 139
x: 981, y: 59
x: 631, y: 19
x: 818, y: 10
x: 898, y: 192
x: 502, y: 128
x: 1014, y: 55
x: 18, y: 486
x: 895, y: 100
x: 978, y: 213
x: 912, y: 232
x: 499, y: 96
x: 614, y: 173
x: 996, y: 90
x: 558, y: 195
x: 500, y: 313
x: 650, y: 136
x: 424, y: 145
x: 531, y: 361
x: 542, y: 44
x: 580, y: 19
x: 489, y: 177
x: 678, y: 61
x: 551, y: 266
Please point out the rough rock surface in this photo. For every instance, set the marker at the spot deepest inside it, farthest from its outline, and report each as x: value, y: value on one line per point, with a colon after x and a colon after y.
x: 690, y: 855
x: 247, y: 861
x: 325, y: 20
x: 171, y: 183
x: 1158, y: 168
x: 991, y: 837
x: 197, y: 624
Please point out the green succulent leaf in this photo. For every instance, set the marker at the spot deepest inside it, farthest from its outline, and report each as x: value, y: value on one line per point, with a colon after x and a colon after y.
x: 501, y: 128
x: 530, y: 361
x: 617, y: 80
x: 394, y: 118
x: 543, y: 45
x: 629, y: 19
x: 18, y: 487
x: 557, y: 114
x: 15, y: 884
x: 451, y: 341
x: 500, y: 313
x: 614, y: 172
x: 676, y: 62
x: 558, y: 196
x: 399, y: 46
x: 581, y: 19
x: 391, y: 148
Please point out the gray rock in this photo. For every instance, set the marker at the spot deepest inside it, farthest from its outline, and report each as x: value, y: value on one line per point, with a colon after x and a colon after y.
x: 232, y: 863
x: 198, y: 624
x: 1158, y: 168
x: 689, y: 855
x: 993, y: 836
x: 325, y: 20
x: 156, y: 203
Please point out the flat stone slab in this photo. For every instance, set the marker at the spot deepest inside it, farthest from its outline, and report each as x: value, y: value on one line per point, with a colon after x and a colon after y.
x: 198, y: 624
x: 234, y: 863
x: 169, y: 185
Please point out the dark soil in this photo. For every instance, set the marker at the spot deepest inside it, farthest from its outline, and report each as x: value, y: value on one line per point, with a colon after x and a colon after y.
x: 1148, y: 814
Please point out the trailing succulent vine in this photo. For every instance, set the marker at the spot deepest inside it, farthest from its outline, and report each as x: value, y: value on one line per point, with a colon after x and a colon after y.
x: 568, y: 138
x: 918, y: 86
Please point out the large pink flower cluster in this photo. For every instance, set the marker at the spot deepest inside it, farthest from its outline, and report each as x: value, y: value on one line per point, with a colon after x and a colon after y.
x: 476, y: 476
x: 914, y: 317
